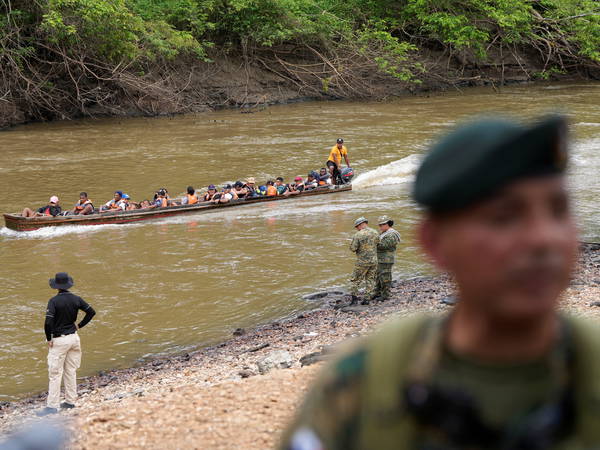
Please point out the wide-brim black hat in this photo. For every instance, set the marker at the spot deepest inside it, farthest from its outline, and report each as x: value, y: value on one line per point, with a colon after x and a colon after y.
x: 61, y: 280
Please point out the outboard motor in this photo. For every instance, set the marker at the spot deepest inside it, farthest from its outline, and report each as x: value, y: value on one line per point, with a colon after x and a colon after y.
x: 347, y: 175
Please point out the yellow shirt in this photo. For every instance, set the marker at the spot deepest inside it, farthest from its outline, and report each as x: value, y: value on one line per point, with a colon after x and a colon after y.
x: 336, y: 154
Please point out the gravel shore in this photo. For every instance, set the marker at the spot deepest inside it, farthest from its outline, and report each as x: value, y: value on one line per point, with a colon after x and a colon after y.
x: 230, y: 395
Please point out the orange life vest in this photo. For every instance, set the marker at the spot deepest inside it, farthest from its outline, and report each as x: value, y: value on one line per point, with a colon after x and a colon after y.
x: 80, y: 206
x: 271, y: 191
x: 192, y: 199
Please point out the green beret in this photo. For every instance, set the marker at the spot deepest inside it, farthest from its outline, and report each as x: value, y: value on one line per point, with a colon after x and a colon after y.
x: 475, y: 160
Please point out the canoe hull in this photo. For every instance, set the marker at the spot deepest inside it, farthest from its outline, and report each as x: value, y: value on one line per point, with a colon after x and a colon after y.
x: 18, y: 223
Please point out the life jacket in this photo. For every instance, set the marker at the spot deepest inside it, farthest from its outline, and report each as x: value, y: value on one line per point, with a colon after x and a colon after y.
x: 271, y: 191
x: 80, y: 206
x: 322, y: 183
x: 384, y: 420
x: 261, y: 190
x: 47, y: 211
x: 192, y: 199
x: 114, y: 205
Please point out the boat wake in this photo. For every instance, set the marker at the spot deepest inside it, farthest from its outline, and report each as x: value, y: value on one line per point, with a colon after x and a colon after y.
x: 52, y: 232
x: 397, y: 172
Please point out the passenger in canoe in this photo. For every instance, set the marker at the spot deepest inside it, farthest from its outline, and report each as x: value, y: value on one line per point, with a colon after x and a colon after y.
x: 324, y: 177
x: 210, y: 194
x: 297, y: 187
x: 51, y: 209
x: 334, y: 163
x: 240, y: 189
x: 116, y: 204
x: 251, y: 187
x: 84, y: 205
x: 312, y: 180
x: 271, y: 189
x: 281, y: 187
x: 190, y: 197
x: 225, y: 196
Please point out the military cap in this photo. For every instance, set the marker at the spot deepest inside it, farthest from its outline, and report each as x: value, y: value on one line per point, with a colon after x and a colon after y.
x: 476, y: 159
x: 383, y: 220
x: 360, y: 220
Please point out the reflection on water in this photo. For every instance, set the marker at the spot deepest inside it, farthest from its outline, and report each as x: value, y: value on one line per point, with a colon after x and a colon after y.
x: 162, y: 285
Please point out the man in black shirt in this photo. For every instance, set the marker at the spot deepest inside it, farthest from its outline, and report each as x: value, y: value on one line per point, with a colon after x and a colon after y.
x: 64, y: 354
x: 51, y: 209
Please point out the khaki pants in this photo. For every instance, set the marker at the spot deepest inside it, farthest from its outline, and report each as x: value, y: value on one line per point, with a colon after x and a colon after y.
x: 64, y: 358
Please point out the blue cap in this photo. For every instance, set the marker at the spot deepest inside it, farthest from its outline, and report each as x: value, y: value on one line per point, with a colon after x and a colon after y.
x: 212, y: 186
x: 119, y: 192
x: 125, y: 196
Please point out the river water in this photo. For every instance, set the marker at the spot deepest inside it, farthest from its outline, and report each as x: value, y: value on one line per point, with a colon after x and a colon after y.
x: 167, y: 285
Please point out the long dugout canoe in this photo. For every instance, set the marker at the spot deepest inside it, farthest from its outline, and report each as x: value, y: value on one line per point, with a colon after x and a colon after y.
x: 17, y: 222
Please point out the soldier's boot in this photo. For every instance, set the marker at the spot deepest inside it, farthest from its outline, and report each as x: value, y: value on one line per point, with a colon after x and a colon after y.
x: 365, y: 302
x: 354, y: 300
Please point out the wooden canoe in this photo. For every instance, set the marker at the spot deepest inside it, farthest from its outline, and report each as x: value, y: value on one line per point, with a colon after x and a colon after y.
x: 19, y: 223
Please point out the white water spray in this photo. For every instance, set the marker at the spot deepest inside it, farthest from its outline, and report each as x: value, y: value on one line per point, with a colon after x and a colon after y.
x: 397, y: 172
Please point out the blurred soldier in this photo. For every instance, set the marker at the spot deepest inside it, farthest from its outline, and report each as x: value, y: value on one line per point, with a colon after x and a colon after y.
x: 386, y: 257
x: 504, y: 370
x: 364, y: 244
x: 64, y: 348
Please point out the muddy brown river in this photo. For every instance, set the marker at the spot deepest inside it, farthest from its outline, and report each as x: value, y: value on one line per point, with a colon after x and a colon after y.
x: 168, y: 285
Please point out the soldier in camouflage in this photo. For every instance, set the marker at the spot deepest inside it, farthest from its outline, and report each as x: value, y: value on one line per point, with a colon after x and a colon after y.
x: 386, y: 257
x: 505, y: 369
x: 364, y: 244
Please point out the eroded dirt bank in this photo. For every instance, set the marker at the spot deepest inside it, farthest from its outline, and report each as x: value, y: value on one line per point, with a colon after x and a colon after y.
x: 229, y: 396
x: 282, y: 75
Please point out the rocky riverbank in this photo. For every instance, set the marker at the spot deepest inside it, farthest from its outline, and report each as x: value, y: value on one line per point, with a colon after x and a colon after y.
x: 235, y: 395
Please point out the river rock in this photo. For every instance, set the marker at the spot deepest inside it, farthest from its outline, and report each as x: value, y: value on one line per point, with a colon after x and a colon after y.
x: 245, y: 373
x: 239, y: 332
x: 315, y: 296
x: 450, y: 300
x: 279, y: 359
x: 313, y: 358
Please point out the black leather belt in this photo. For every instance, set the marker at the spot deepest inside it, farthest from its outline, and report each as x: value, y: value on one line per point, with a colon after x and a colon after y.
x: 61, y: 335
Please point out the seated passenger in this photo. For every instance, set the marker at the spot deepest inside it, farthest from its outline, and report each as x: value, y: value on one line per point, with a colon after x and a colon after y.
x: 251, y: 187
x: 116, y: 204
x: 282, y: 188
x: 145, y: 204
x: 299, y: 182
x: 225, y: 196
x: 324, y: 177
x: 311, y: 180
x: 212, y: 191
x: 261, y: 190
x: 51, y: 209
x: 160, y: 199
x: 126, y: 201
x: 240, y: 190
x: 84, y: 206
x: 190, y: 198
x: 271, y: 189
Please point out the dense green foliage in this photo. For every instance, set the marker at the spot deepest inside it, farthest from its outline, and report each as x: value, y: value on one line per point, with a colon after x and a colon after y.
x: 44, y: 41
x: 130, y: 29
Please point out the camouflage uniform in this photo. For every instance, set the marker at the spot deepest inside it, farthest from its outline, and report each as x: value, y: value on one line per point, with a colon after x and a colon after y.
x: 361, y: 400
x: 364, y: 244
x: 386, y: 257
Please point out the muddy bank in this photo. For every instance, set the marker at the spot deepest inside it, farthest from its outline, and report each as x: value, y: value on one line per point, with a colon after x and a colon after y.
x: 276, y: 76
x: 241, y: 393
